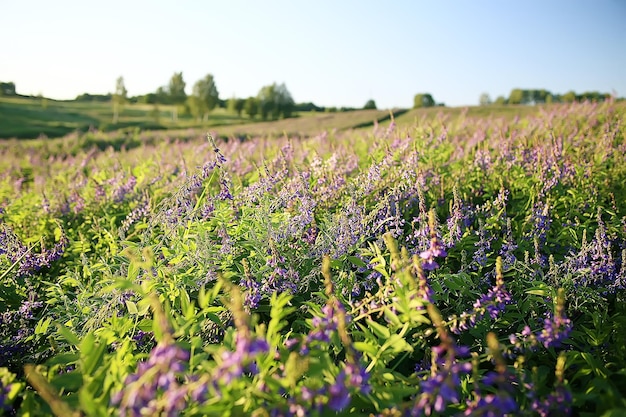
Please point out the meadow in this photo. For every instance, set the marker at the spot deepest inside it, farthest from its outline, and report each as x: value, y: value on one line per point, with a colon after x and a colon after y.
x: 437, y: 263
x: 32, y: 118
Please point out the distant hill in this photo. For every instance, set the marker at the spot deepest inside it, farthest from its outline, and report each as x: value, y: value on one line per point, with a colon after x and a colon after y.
x: 31, y: 117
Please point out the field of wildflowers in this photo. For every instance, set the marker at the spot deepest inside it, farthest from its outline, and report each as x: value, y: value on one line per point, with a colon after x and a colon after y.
x: 457, y: 266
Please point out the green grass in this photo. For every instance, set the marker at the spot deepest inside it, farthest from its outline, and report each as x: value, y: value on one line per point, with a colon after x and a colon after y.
x: 29, y: 118
x: 507, y: 112
x: 308, y: 124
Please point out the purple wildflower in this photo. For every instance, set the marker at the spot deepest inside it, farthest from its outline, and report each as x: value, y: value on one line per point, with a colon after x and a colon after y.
x: 441, y: 387
x: 508, y: 246
x: 500, y: 399
x: 458, y: 220
x: 141, y: 211
x: 559, y: 401
x: 225, y: 187
x: 122, y: 190
x: 492, y: 303
x: 352, y: 377
x: 27, y: 260
x: 436, y: 249
x: 483, y: 246
x: 234, y: 363
x: 155, y: 388
x: 556, y: 328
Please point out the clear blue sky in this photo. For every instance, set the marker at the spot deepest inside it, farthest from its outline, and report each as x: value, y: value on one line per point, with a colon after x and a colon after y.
x: 333, y: 53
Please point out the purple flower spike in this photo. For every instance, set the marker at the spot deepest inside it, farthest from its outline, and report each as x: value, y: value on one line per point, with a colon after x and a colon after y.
x: 436, y: 248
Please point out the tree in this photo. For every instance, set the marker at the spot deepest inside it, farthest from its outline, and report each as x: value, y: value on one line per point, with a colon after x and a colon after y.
x: 176, y: 92
x: 370, y: 105
x: 176, y: 88
x: 533, y: 96
x: 540, y: 96
x: 119, y: 98
x: 150, y: 98
x: 593, y: 96
x: 230, y: 105
x: 423, y: 100
x: 162, y: 95
x: 251, y: 107
x: 500, y: 100
x: 204, y: 97
x: 195, y: 106
x: 266, y: 99
x: 286, y: 103
x: 275, y: 101
x: 516, y: 96
x: 484, y: 99
x: 7, y: 89
x: 569, y: 97
x: 236, y: 105
x: 239, y: 104
x: 307, y: 107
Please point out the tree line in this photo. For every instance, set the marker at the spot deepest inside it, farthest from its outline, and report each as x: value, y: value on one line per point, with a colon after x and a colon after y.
x: 272, y: 102
x: 521, y: 96
x: 542, y: 96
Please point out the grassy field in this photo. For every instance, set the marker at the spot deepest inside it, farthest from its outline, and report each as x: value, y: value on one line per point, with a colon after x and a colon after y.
x: 29, y: 118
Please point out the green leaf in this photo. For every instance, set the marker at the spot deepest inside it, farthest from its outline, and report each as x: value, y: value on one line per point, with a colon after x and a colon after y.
x: 133, y: 271
x: 94, y: 359
x: 63, y: 359
x: 388, y: 376
x: 379, y: 330
x: 123, y: 285
x: 539, y: 292
x: 392, y: 317
x: 132, y: 307
x: 596, y: 366
x: 88, y: 403
x: 616, y: 412
x: 452, y: 284
x: 68, y: 335
x: 436, y: 286
x: 42, y: 325
x: 398, y: 344
x: 186, y: 306
x: 69, y: 381
x: 14, y: 390
x: 366, y: 347
x: 357, y: 261
x: 87, y: 344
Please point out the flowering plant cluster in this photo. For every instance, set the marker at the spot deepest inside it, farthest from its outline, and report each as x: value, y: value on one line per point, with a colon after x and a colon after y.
x: 454, y: 265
